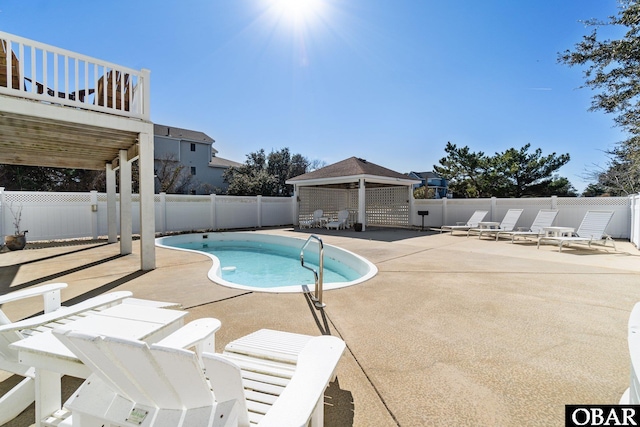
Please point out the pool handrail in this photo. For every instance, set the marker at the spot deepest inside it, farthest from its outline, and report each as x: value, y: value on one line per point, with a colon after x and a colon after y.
x: 317, y: 299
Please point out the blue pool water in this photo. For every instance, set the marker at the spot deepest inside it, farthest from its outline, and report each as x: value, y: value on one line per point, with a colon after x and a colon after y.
x: 271, y: 263
x: 267, y: 265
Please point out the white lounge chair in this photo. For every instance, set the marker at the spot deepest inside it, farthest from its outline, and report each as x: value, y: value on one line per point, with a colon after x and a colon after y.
x: 508, y: 223
x: 314, y: 221
x: 631, y: 396
x: 544, y: 218
x: 341, y: 222
x: 591, y: 231
x: 271, y: 378
x: 23, y: 394
x: 472, y: 222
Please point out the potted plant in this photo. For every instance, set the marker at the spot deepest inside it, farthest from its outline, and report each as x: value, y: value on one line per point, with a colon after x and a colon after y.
x: 19, y: 239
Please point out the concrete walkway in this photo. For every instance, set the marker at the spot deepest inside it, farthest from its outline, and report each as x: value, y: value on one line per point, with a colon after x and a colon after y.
x: 452, y: 330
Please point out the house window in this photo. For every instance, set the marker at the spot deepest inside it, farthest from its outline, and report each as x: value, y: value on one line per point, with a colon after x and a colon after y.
x: 193, y: 170
x: 193, y: 147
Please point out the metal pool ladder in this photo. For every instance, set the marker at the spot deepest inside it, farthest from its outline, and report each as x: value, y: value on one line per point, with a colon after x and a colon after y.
x: 317, y: 297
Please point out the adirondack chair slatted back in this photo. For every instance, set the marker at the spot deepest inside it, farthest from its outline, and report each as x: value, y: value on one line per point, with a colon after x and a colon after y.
x: 594, y: 224
x: 15, y: 69
x: 122, y: 91
x: 510, y: 219
x: 226, y: 382
x: 167, y: 378
x: 544, y: 218
x: 476, y: 218
x: 633, y: 341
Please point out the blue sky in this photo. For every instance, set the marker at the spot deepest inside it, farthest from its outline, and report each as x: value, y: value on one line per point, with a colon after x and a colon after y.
x: 391, y: 81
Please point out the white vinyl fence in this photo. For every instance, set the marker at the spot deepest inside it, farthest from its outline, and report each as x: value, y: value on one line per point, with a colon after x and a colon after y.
x: 634, y: 229
x: 53, y: 216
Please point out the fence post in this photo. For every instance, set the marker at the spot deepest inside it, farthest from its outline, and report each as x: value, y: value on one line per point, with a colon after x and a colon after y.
x: 2, y: 211
x: 554, y: 202
x: 445, y: 212
x: 93, y: 200
x: 259, y: 209
x: 213, y: 212
x: 493, y: 208
x: 162, y: 212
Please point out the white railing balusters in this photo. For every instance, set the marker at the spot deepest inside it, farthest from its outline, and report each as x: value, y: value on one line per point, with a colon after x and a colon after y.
x: 46, y: 71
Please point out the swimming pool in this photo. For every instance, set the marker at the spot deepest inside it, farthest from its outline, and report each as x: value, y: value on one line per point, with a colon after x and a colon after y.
x: 270, y: 263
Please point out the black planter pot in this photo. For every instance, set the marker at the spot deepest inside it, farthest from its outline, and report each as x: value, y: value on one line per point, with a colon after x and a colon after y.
x: 357, y: 226
x: 15, y: 242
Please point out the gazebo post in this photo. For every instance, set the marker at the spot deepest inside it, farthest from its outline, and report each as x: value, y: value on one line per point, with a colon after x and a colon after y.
x: 362, y: 200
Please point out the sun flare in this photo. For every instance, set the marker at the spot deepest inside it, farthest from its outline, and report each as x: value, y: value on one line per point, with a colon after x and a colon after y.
x: 297, y: 11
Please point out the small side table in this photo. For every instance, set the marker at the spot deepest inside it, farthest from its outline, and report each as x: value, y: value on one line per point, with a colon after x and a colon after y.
x: 488, y: 224
x: 558, y: 231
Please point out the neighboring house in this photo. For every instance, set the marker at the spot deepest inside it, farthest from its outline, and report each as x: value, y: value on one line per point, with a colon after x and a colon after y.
x: 194, y: 150
x: 433, y: 181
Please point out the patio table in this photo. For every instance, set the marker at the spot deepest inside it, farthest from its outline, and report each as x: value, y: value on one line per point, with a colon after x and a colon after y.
x: 558, y: 231
x: 52, y: 359
x: 488, y: 224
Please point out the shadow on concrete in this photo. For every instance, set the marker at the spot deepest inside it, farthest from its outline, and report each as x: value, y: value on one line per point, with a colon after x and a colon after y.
x: 9, y: 274
x: 381, y: 234
x: 338, y: 406
x: 100, y: 290
x: 321, y: 321
x: 28, y: 416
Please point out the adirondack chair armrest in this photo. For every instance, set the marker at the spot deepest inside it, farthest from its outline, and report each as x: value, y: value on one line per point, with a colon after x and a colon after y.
x: 316, y: 367
x: 50, y: 293
x: 199, y: 333
x: 104, y: 300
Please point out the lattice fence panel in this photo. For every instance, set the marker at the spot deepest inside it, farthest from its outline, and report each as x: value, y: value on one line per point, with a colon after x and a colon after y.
x: 387, y: 206
x: 330, y: 200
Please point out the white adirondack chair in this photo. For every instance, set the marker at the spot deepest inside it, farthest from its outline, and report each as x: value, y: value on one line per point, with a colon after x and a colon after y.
x: 341, y: 222
x: 315, y: 221
x: 631, y: 396
x: 23, y: 394
x: 164, y: 384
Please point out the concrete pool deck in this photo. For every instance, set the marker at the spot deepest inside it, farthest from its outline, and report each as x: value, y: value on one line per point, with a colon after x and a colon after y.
x: 452, y: 330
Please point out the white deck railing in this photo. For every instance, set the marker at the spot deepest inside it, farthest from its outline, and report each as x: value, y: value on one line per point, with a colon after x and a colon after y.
x: 58, y: 76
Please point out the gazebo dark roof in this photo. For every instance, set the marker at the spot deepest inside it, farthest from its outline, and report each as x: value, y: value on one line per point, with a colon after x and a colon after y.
x: 351, y: 167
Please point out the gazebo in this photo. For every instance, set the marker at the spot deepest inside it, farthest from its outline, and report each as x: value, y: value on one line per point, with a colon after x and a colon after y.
x: 373, y: 195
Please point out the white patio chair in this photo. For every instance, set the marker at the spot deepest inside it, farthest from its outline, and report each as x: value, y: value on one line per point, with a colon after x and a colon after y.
x: 23, y: 394
x: 508, y: 223
x: 590, y: 231
x: 314, y: 221
x: 631, y: 396
x: 341, y: 222
x: 268, y: 378
x: 544, y: 218
x: 472, y: 222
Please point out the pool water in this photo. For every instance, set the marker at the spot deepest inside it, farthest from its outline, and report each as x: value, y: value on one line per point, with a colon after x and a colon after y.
x: 271, y: 263
x: 266, y: 265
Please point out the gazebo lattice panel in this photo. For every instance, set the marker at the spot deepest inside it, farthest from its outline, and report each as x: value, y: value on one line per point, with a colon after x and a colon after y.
x: 387, y: 206
x: 330, y: 200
